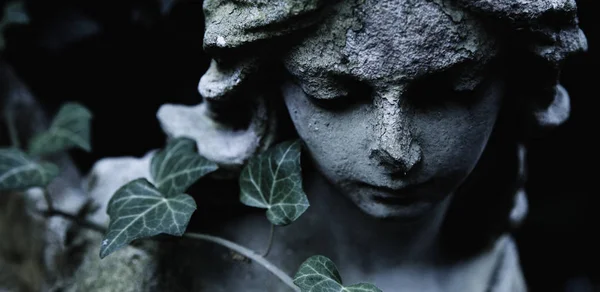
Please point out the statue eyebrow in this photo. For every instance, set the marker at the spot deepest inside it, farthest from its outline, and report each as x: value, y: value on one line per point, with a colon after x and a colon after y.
x: 327, y: 87
x: 321, y: 82
x: 453, y: 68
x: 461, y: 72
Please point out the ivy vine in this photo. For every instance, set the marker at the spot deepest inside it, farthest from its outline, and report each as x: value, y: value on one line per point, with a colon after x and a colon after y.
x: 143, y: 208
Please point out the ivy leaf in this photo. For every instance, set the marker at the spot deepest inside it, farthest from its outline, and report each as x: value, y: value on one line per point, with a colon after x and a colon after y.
x: 19, y: 172
x: 178, y: 166
x: 273, y: 181
x: 139, y: 210
x: 319, y: 274
x: 70, y: 128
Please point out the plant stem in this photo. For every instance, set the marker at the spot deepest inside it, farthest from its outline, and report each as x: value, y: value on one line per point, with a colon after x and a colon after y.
x: 80, y: 221
x: 12, y: 129
x: 247, y: 253
x: 270, y: 243
x: 48, y: 199
x: 220, y: 241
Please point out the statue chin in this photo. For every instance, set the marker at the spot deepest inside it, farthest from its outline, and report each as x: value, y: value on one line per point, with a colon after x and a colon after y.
x: 410, y: 211
x: 397, y: 205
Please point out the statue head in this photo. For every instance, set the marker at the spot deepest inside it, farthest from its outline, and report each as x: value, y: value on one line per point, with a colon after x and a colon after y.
x: 397, y: 101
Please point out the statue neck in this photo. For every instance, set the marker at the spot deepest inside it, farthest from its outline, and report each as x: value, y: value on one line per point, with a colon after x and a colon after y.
x: 380, y: 242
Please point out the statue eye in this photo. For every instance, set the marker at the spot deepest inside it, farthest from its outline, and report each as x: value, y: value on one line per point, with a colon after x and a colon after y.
x: 462, y: 84
x: 351, y: 95
x: 439, y: 89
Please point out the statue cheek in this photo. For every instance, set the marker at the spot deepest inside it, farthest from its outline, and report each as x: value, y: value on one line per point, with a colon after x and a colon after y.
x: 302, y: 112
x: 455, y: 136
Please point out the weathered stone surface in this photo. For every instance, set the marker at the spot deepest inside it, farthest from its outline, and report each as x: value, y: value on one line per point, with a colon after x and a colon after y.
x: 130, y: 269
x: 227, y: 146
x: 552, y: 24
x: 22, y: 266
x: 231, y: 24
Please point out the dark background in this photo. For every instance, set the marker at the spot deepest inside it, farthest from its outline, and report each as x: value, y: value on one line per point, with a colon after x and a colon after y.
x: 558, y: 243
x: 133, y: 58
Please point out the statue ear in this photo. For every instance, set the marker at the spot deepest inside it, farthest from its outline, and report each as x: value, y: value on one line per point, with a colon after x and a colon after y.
x: 554, y: 113
x: 234, y: 120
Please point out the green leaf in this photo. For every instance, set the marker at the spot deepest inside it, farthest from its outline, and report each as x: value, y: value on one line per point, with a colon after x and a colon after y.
x: 178, y: 166
x: 319, y: 274
x: 139, y: 210
x: 19, y: 172
x: 69, y: 129
x: 273, y: 181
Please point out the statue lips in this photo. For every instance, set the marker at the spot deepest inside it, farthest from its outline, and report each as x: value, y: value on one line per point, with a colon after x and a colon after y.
x: 407, y: 195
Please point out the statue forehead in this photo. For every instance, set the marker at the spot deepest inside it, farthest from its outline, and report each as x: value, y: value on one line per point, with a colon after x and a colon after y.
x: 392, y: 41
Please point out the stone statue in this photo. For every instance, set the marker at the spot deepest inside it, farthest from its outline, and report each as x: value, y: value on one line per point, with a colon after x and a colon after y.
x: 415, y: 115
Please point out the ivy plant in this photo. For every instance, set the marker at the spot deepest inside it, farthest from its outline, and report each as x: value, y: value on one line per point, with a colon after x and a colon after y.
x: 69, y: 129
x: 142, y: 209
x: 319, y: 273
x: 24, y: 169
x: 271, y: 180
x: 18, y: 171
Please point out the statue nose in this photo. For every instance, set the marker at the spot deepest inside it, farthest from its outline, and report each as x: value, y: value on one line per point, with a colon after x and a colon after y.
x: 394, y: 145
x: 400, y: 159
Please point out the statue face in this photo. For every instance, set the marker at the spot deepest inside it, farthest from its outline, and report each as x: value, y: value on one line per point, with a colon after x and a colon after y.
x: 395, y: 102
